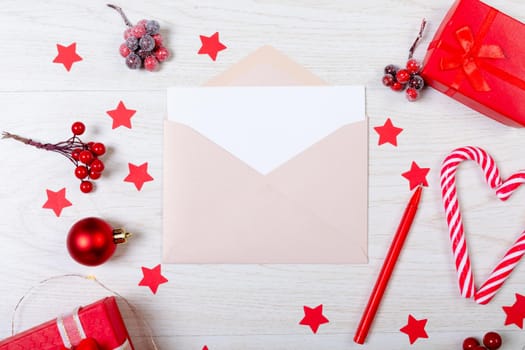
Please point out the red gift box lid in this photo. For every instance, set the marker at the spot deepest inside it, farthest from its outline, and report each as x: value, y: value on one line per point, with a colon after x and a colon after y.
x: 101, y: 321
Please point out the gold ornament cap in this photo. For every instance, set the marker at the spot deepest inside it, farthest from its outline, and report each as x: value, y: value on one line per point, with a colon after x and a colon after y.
x: 120, y: 235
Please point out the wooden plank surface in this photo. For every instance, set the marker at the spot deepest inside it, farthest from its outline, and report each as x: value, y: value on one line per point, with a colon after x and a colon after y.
x: 251, y: 306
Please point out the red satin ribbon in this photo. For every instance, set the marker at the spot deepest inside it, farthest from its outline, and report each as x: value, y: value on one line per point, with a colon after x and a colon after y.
x: 468, y: 58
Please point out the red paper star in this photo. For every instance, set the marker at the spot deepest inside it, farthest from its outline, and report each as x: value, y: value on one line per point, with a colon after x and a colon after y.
x: 56, y: 201
x: 516, y: 312
x: 416, y: 176
x: 313, y: 317
x: 387, y: 133
x: 152, y: 278
x: 415, y: 329
x: 121, y: 116
x: 211, y: 46
x: 138, y: 175
x: 67, y: 55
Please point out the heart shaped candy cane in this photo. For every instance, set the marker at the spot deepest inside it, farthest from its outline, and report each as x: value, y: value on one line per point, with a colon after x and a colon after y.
x: 504, y: 190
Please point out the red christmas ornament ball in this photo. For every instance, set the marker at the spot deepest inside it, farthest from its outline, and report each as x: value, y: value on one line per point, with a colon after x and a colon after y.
x: 90, y: 241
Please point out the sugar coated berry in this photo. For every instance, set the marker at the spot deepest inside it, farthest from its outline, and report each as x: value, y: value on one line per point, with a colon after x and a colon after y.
x: 416, y: 82
x: 470, y: 343
x: 391, y: 69
x: 85, y: 157
x: 142, y: 22
x: 138, y: 31
x: 413, y: 66
x: 161, y: 54
x: 97, y: 166
x: 143, y: 54
x: 98, y: 148
x: 412, y: 94
x: 151, y: 63
x: 81, y: 172
x: 124, y: 50
x: 133, y: 61
x: 158, y: 40
x: 78, y: 128
x: 388, y: 80
x: 152, y: 27
x: 127, y: 33
x: 93, y: 175
x: 492, y: 340
x: 147, y: 42
x: 403, y: 76
x: 397, y: 86
x: 132, y: 43
x: 86, y: 186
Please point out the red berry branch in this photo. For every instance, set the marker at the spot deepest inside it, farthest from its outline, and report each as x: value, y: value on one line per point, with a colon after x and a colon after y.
x: 83, y: 155
x: 398, y: 79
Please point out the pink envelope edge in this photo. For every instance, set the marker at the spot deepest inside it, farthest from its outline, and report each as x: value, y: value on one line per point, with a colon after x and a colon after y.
x: 267, y: 66
x: 242, y: 216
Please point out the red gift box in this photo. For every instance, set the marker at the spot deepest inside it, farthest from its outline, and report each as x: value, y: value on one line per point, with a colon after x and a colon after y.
x: 100, y: 321
x: 478, y: 58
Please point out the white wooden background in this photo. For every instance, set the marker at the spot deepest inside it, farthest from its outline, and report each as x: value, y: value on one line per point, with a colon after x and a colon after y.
x: 255, y: 306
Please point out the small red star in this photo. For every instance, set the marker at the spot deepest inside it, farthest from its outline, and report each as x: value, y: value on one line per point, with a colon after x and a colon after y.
x: 416, y: 176
x: 56, y: 201
x: 313, y: 317
x: 516, y: 312
x: 152, y: 278
x: 121, y: 116
x: 415, y: 329
x: 138, y: 175
x: 67, y: 55
x: 211, y: 46
x: 387, y: 133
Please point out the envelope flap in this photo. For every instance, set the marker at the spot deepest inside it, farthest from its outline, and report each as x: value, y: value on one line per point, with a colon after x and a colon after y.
x: 266, y: 66
x: 266, y: 126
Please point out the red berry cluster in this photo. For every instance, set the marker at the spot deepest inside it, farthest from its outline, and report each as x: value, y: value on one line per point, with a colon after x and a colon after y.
x: 408, y: 77
x: 143, y: 45
x: 491, y: 341
x: 85, y: 157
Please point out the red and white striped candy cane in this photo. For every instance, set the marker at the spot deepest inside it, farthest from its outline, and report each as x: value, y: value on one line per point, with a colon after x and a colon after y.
x: 456, y: 231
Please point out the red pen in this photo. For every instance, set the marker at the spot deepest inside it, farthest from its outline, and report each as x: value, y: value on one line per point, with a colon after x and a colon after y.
x: 388, y: 266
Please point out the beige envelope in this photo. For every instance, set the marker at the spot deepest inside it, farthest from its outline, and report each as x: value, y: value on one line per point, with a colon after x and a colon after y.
x: 312, y: 209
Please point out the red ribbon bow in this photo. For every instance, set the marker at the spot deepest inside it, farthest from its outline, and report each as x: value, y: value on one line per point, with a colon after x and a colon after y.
x: 472, y: 51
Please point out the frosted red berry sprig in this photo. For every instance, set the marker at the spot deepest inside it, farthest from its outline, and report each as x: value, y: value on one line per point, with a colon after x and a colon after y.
x: 143, y: 45
x: 406, y: 78
x: 84, y: 156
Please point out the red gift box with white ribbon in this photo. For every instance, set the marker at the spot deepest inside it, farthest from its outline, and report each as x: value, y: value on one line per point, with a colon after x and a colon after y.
x: 100, y: 321
x: 478, y: 58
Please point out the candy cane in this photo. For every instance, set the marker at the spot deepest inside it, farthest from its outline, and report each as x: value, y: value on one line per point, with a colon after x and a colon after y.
x: 456, y: 231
